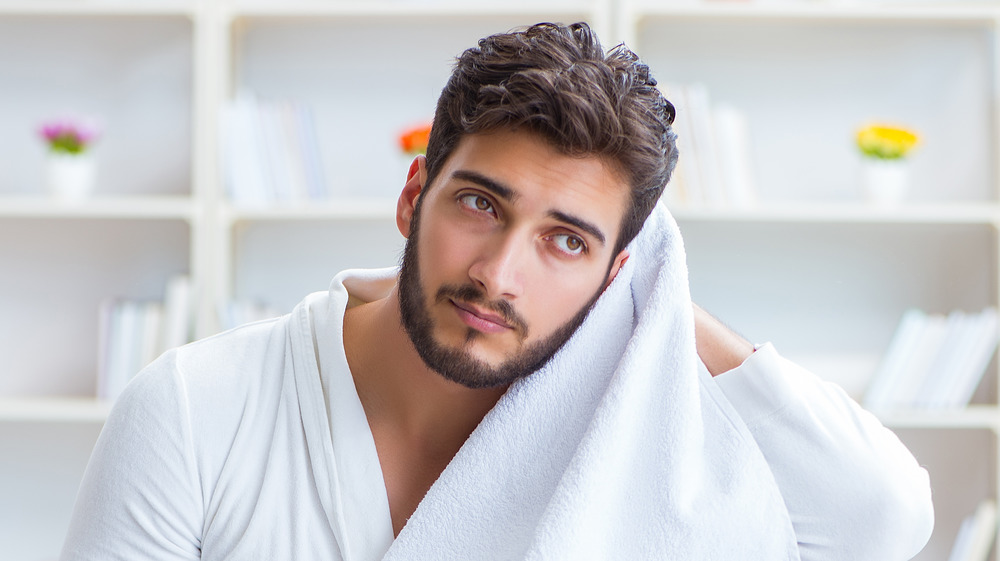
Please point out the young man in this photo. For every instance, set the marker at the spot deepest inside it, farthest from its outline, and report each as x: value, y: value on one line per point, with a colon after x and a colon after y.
x: 470, y: 406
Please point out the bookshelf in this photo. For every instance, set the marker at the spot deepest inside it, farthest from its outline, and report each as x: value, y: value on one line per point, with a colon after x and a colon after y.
x: 810, y: 266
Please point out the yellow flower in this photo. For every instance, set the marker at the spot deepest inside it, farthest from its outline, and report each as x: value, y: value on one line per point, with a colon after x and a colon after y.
x: 886, y: 142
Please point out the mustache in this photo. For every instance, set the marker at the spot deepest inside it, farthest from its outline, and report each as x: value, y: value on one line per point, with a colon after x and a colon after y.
x: 471, y: 294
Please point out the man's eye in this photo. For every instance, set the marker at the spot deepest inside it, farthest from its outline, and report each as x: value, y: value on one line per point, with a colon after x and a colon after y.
x: 477, y: 202
x: 569, y: 243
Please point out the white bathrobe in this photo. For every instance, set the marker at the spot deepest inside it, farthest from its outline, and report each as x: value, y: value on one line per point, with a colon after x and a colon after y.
x: 254, y: 445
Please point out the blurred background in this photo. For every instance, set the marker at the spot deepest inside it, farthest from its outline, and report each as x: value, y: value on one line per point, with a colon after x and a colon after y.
x: 172, y: 168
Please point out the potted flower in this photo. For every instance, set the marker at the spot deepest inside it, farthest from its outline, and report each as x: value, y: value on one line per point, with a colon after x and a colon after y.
x: 884, y: 149
x: 413, y: 140
x: 70, y: 168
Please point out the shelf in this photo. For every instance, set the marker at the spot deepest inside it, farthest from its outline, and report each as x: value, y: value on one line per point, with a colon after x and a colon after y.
x: 96, y: 7
x: 795, y: 12
x: 384, y: 8
x: 54, y: 409
x: 972, y: 417
x: 944, y: 213
x: 165, y: 208
x: 339, y: 209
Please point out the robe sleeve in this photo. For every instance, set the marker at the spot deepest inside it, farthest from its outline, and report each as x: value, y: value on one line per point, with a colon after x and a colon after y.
x: 852, y: 489
x: 140, y: 496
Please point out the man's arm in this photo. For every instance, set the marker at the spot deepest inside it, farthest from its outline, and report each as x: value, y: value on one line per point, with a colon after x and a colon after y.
x: 139, y: 496
x: 719, y: 348
x: 852, y: 489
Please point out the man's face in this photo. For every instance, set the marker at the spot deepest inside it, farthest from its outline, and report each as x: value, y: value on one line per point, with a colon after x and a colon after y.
x: 505, y: 255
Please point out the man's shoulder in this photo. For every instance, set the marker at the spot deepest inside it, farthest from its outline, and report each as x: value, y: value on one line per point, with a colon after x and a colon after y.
x: 233, y: 363
x: 212, y: 378
x: 244, y: 344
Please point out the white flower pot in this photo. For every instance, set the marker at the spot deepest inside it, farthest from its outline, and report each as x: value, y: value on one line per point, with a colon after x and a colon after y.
x: 886, y: 182
x: 70, y: 176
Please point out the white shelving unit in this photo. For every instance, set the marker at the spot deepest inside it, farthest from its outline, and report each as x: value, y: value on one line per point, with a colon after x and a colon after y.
x: 133, y: 66
x: 811, y: 268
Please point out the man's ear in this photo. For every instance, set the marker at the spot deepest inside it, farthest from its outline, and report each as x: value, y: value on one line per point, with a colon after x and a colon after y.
x: 407, y: 202
x: 616, y: 266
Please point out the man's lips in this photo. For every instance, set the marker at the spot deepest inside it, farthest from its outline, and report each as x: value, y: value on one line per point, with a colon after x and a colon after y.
x: 480, y: 319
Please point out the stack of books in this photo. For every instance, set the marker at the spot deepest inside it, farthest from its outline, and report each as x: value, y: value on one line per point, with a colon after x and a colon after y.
x: 132, y: 333
x: 715, y: 167
x: 934, y: 361
x: 271, y: 153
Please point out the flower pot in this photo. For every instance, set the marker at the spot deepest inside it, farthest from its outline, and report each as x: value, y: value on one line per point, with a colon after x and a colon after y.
x: 886, y: 182
x: 70, y: 176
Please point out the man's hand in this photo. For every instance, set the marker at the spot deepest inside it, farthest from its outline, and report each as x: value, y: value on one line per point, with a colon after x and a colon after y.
x: 718, y: 346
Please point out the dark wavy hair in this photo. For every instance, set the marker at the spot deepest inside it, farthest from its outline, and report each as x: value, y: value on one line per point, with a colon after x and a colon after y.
x: 557, y: 81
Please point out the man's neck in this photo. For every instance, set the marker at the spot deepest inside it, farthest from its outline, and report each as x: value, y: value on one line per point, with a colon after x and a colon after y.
x: 418, y: 419
x: 398, y: 391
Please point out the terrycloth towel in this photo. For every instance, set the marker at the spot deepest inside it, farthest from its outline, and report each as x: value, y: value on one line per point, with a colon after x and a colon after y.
x: 616, y: 449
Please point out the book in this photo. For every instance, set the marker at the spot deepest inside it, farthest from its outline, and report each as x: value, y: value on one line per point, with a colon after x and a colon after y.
x: 133, y: 333
x: 246, y: 179
x: 177, y: 313
x: 703, y: 144
x: 970, y: 369
x: 976, y: 534
x: 883, y: 385
x: 732, y: 134
x: 715, y: 165
x: 934, y: 361
x: 959, y: 327
x: 684, y: 186
x: 271, y: 152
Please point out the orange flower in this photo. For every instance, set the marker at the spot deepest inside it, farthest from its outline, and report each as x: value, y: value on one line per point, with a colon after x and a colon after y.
x: 414, y: 139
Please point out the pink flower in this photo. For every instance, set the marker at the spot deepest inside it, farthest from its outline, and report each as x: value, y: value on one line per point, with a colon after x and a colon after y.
x: 67, y: 135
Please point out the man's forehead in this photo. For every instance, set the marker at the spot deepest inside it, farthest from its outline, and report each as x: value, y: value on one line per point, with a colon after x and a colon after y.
x: 490, y: 149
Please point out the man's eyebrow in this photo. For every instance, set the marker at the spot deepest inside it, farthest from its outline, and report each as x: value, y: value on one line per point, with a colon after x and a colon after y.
x: 509, y: 195
x: 579, y: 223
x: 497, y: 188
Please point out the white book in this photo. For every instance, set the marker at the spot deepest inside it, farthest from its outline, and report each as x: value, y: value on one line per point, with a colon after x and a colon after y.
x: 177, y: 313
x: 942, y: 370
x: 125, y: 321
x: 286, y: 187
x: 296, y: 150
x: 136, y: 341
x: 732, y: 135
x: 703, y: 139
x: 963, y: 540
x: 276, y: 153
x: 684, y: 187
x: 886, y: 379
x: 152, y: 321
x: 246, y: 178
x: 984, y: 529
x: 917, y: 366
x: 105, y: 344
x: 959, y: 354
x: 969, y: 372
x: 262, y: 148
x: 315, y: 178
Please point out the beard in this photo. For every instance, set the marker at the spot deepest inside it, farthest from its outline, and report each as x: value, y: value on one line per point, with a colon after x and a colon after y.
x: 458, y: 364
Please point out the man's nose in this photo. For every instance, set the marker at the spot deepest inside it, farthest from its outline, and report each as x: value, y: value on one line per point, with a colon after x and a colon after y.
x: 498, y: 269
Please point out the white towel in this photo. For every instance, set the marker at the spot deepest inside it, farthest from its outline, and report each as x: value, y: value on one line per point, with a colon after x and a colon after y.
x: 616, y: 449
